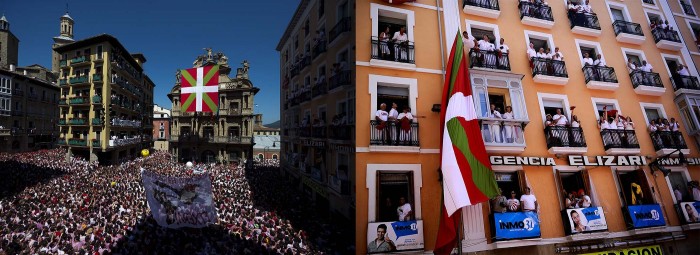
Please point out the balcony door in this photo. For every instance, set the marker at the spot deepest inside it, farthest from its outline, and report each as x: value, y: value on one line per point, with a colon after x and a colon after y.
x: 617, y: 14
x: 634, y: 188
x: 389, y: 95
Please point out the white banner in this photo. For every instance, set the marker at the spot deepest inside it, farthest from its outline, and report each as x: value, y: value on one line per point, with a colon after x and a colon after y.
x: 180, y: 202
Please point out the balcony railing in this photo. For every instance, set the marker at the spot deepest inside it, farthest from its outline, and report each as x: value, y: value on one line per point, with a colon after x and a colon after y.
x: 342, y: 26
x: 600, y: 73
x: 560, y: 136
x: 78, y: 60
x: 391, y: 51
x: 62, y: 63
x: 622, y: 26
x: 341, y: 132
x: 62, y: 82
x: 79, y: 100
x: 668, y: 140
x: 96, y: 143
x: 97, y: 122
x: 319, y: 89
x: 319, y: 132
x: 61, y: 122
x: 97, y: 100
x: 78, y: 121
x: 62, y: 102
x: 319, y: 48
x: 685, y: 82
x: 79, y: 80
x: 502, y: 132
x: 126, y: 123
x: 96, y: 78
x: 77, y: 142
x: 393, y: 133
x: 688, y: 9
x: 340, y: 79
x: 489, y: 59
x: 665, y: 34
x: 619, y: 139
x: 587, y: 20
x: 641, y: 78
x: 649, y: 2
x: 487, y: 4
x: 305, y: 61
x: 533, y: 10
x: 549, y: 67
x: 295, y: 70
x: 124, y: 141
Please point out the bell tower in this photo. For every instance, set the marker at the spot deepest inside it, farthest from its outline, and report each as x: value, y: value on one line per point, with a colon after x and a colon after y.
x: 65, y: 37
x: 9, y: 45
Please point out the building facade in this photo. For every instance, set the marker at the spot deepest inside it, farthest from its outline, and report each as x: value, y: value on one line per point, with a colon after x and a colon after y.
x: 161, y: 128
x: 224, y: 136
x: 318, y: 103
x: 267, y: 140
x: 106, y: 101
x: 9, y: 45
x: 596, y: 66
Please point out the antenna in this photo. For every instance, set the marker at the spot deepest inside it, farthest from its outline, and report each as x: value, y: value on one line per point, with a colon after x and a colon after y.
x: 66, y: 6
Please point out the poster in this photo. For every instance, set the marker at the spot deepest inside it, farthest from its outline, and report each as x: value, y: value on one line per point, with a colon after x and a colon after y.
x: 180, y: 202
x: 650, y: 250
x: 690, y: 211
x: 516, y: 225
x: 583, y: 220
x: 646, y: 215
x: 393, y: 236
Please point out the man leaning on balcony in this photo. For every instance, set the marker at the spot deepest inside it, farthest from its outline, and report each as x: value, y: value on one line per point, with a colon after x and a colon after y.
x: 561, y: 122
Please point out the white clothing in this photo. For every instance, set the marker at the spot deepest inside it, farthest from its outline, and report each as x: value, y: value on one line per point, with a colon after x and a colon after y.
x: 560, y: 119
x: 646, y: 68
x: 679, y: 195
x: 513, y: 203
x: 531, y: 53
x: 508, y: 127
x: 696, y: 194
x: 484, y: 45
x: 541, y: 55
x: 407, y: 115
x: 383, y: 115
x: 674, y: 126
x: 575, y: 124
x: 399, y: 38
x: 495, y: 114
x: 503, y: 48
x: 403, y: 211
x: 605, y: 125
x: 393, y: 114
x: 684, y: 72
x: 495, y: 126
x: 586, y: 201
x: 599, y: 62
x: 560, y: 57
x: 653, y: 128
x: 468, y: 42
x: 528, y: 202
x: 588, y: 61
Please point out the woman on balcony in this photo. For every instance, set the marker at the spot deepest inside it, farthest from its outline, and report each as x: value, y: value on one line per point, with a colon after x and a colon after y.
x: 384, y: 43
x: 509, y: 126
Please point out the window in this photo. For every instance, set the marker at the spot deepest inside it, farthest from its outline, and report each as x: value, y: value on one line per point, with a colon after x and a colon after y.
x: 512, y: 185
x: 392, y: 95
x: 572, y: 185
x: 634, y: 188
x: 306, y: 27
x: 386, y: 89
x: 321, y: 8
x: 393, y: 190
x: 99, y: 51
x: 274, y: 156
x: 678, y: 183
x: 342, y: 10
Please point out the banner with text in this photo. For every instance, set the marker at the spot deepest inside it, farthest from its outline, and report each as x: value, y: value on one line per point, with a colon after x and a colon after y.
x: 180, y: 202
x: 583, y: 220
x: 394, y: 236
x: 516, y: 225
x: 690, y: 211
x: 650, y: 250
x: 646, y: 215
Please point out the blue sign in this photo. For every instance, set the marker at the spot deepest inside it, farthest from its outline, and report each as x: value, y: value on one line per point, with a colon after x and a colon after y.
x: 646, y: 215
x: 404, y: 228
x: 516, y: 225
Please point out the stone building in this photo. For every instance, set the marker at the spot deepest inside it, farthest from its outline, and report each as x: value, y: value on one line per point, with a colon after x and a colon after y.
x: 161, y: 128
x: 9, y: 45
x: 223, y: 136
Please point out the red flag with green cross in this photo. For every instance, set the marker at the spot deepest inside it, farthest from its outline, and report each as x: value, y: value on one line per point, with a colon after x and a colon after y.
x: 199, y: 89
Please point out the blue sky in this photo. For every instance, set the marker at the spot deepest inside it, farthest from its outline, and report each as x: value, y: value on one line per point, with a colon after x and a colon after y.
x: 169, y: 33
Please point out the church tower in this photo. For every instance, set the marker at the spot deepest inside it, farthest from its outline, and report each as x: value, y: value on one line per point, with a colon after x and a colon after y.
x: 65, y: 37
x: 9, y: 45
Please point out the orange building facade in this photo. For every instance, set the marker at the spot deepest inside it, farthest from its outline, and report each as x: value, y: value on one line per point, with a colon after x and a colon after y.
x: 628, y: 176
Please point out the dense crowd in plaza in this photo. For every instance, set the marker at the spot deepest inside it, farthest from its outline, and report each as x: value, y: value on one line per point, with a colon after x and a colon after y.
x: 50, y: 205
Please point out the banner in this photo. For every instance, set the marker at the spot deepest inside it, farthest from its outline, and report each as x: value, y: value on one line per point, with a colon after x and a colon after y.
x: 690, y: 211
x: 646, y: 215
x: 385, y: 237
x: 180, y: 202
x: 650, y: 250
x: 516, y: 225
x: 583, y: 220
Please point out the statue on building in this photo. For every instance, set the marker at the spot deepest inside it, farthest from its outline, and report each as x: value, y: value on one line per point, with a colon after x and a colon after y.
x: 246, y: 66
x: 209, y: 53
x: 178, y: 76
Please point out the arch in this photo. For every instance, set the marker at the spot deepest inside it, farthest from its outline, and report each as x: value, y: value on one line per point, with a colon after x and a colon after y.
x: 274, y: 156
x: 261, y: 156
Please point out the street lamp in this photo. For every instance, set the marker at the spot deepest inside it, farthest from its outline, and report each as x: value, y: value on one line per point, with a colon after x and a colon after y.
x: 655, y: 166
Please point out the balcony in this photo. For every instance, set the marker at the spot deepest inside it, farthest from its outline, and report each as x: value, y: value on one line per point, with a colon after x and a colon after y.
x: 600, y: 77
x: 687, y: 9
x: 97, y: 99
x: 319, y: 48
x: 319, y: 89
x: 294, y: 70
x: 385, y: 136
x: 96, y: 78
x: 62, y: 82
x: 79, y: 101
x: 124, y: 141
x: 565, y: 140
x: 344, y: 25
x: 340, y: 132
x: 628, y: 32
x: 79, y: 80
x: 125, y: 123
x: 667, y: 39
x: 61, y: 122
x: 503, y: 135
x: 647, y: 83
x: 96, y: 143
x: 489, y: 60
x: 666, y: 142
x: 585, y: 24
x: 537, y: 15
x: 233, y: 139
x: 685, y: 84
x: 549, y: 71
x: 651, y: 2
x: 62, y: 63
x: 97, y: 122
x: 393, y: 55
x: 620, y: 142
x: 338, y: 80
x: 305, y: 97
x: 305, y: 61
x: 79, y: 60
x: 77, y: 142
x: 483, y: 8
x: 78, y: 121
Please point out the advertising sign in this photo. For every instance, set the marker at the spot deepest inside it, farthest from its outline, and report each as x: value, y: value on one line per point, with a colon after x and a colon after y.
x: 646, y: 215
x: 394, y: 236
x: 690, y: 211
x: 583, y: 220
x: 516, y: 225
x: 651, y: 250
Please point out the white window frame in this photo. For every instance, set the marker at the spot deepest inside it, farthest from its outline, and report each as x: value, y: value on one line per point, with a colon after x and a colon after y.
x: 638, y: 53
x: 620, y: 6
x: 658, y: 107
x: 690, y: 27
x: 483, y: 26
x: 655, y: 12
x: 540, y: 36
x: 614, y: 102
x: 588, y: 44
x: 410, y: 18
x: 391, y: 81
x: 680, y: 59
x: 651, y: 6
x: 678, y: 169
x: 371, y: 185
x: 541, y: 97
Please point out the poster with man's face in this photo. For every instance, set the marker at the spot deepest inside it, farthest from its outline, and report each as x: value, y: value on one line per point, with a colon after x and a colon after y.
x: 383, y: 237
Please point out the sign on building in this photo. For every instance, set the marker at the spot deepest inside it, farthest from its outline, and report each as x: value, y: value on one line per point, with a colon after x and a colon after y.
x: 394, y: 236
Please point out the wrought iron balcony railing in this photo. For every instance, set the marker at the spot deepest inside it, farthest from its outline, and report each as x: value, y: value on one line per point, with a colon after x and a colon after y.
x: 549, y: 67
x: 79, y: 80
x: 561, y: 136
x: 587, y: 20
x: 78, y: 60
x: 96, y: 78
x: 319, y: 89
x: 533, y: 10
x: 489, y: 59
x: 687, y: 8
x: 599, y: 73
x: 487, y: 4
x: 632, y: 28
x: 391, y: 51
x: 344, y: 25
x: 340, y: 79
x: 319, y: 48
x: 619, y: 139
x: 393, y: 133
x: 665, y: 34
x: 668, y: 140
x: 641, y: 78
x: 685, y: 82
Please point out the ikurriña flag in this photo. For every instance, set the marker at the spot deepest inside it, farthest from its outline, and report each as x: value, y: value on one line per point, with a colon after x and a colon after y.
x: 467, y: 178
x: 199, y: 89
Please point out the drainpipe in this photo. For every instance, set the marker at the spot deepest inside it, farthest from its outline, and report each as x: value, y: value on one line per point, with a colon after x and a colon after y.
x: 442, y: 44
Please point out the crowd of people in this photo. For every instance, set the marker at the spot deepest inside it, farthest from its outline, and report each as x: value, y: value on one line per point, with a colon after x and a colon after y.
x: 579, y: 13
x: 484, y: 53
x: 500, y: 127
x: 50, y: 204
x: 536, y: 9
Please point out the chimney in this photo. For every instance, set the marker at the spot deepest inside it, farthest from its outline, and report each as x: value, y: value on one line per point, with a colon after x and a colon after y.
x: 12, y: 67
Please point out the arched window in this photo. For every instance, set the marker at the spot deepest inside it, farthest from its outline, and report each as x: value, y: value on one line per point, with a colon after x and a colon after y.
x: 274, y: 156
x: 261, y: 156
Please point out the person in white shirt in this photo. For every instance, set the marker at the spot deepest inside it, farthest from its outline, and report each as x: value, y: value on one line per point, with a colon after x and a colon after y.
x: 384, y: 42
x: 400, y: 45
x: 557, y: 55
x: 587, y: 60
x: 682, y: 70
x: 405, y: 116
x: 468, y: 41
x: 600, y: 61
x: 646, y: 67
x: 503, y: 57
x: 529, y: 201
x: 495, y: 125
x: 393, y: 118
x: 560, y: 119
x: 584, y: 200
x: 382, y: 117
x: 513, y: 203
x: 541, y: 65
x: 678, y: 194
x: 531, y: 52
x: 509, y: 125
x: 404, y: 211
x: 487, y: 49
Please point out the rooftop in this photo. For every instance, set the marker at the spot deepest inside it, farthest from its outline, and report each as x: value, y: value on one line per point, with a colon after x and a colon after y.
x: 267, y: 141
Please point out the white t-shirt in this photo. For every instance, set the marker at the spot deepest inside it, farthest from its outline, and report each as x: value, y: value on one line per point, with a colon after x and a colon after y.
x: 541, y: 55
x: 393, y: 113
x: 696, y: 194
x: 495, y: 114
x: 528, y: 202
x: 646, y: 68
x: 383, y: 115
x: 406, y: 115
x: 684, y: 72
x: 504, y: 49
x: 562, y: 121
x: 508, y: 115
x: 484, y: 45
x: 468, y: 42
x: 586, y: 201
x: 587, y: 61
x: 399, y: 38
x: 560, y: 57
x: 600, y: 62
x: 531, y: 53
x: 403, y: 211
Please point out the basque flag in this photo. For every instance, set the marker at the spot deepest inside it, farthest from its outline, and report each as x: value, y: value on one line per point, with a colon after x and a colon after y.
x: 199, y: 90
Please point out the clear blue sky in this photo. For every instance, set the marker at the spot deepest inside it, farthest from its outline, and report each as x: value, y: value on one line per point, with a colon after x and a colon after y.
x: 169, y: 33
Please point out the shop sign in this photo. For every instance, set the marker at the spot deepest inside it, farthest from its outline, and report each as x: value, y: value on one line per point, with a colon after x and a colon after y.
x: 690, y: 211
x: 646, y: 215
x: 383, y: 237
x: 516, y: 225
x: 646, y: 250
x: 521, y: 161
x: 677, y: 161
x: 315, y: 187
x: 574, y: 160
x: 584, y: 220
x: 312, y: 143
